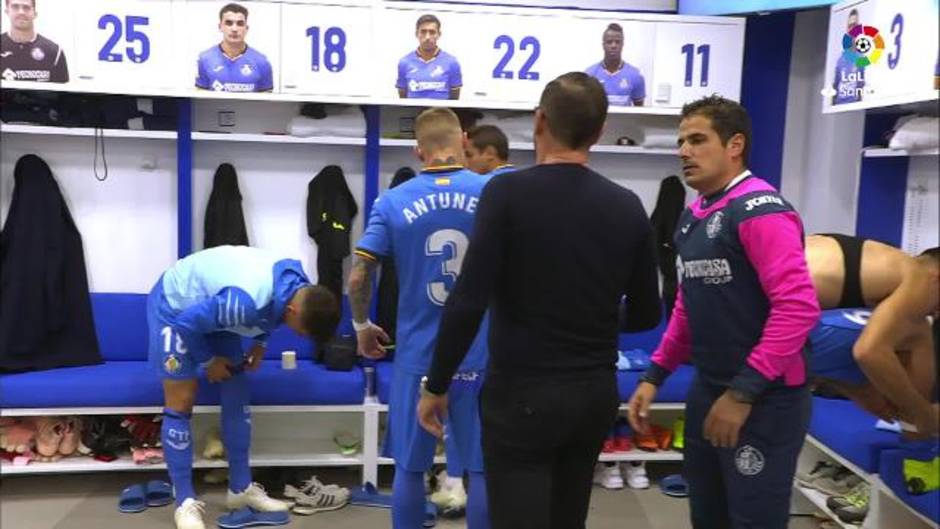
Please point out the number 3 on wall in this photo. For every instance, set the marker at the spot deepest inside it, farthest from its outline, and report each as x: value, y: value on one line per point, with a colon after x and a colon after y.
x: 107, y: 52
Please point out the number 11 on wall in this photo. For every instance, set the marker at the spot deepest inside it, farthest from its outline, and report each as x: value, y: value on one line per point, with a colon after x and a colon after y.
x: 689, y: 51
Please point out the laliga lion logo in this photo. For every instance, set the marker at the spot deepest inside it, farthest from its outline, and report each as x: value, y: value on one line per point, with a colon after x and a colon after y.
x: 749, y: 460
x: 713, y: 228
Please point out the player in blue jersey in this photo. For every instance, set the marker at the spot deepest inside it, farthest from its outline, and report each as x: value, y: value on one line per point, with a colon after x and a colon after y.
x: 623, y: 82
x: 488, y: 151
x: 424, y: 224
x: 197, y: 314
x: 885, y: 363
x: 429, y: 72
x: 849, y: 79
x: 232, y: 66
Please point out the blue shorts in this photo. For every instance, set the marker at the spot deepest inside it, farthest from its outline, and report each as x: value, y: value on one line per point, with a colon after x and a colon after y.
x: 168, y: 353
x: 830, y: 347
x: 411, y: 446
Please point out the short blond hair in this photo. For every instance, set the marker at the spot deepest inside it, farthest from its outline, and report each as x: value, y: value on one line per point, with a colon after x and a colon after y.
x: 437, y: 128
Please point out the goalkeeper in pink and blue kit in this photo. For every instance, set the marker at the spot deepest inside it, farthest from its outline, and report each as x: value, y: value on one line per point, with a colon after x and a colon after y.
x: 744, y: 309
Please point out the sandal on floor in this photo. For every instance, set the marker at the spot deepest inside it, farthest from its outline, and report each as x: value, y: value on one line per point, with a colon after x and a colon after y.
x: 133, y: 499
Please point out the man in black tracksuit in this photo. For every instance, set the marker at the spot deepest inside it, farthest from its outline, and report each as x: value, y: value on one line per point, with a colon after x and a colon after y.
x: 743, y: 312
x: 554, y: 249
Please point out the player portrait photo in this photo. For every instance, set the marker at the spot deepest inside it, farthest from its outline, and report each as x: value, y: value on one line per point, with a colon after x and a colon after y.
x: 849, y: 78
x: 231, y: 65
x: 429, y: 72
x: 25, y: 55
x: 623, y: 82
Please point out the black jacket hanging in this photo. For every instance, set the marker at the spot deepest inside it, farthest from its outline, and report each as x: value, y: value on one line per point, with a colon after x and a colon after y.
x: 387, y: 298
x: 669, y: 205
x: 45, y: 310
x: 225, y: 221
x: 330, y: 212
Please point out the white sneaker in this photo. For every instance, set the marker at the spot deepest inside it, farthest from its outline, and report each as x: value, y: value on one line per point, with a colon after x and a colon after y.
x: 636, y: 475
x: 214, y: 448
x: 450, y: 498
x: 256, y: 498
x: 322, y: 499
x: 189, y: 514
x: 608, y: 476
x: 310, y: 487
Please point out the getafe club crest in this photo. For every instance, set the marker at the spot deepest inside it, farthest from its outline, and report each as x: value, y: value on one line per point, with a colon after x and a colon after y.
x: 749, y: 460
x: 37, y: 54
x: 171, y: 364
x: 246, y: 70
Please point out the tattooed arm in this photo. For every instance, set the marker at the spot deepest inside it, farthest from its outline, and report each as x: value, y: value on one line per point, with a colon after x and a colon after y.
x: 368, y: 335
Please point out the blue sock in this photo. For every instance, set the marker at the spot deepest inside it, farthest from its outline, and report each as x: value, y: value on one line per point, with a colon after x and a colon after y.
x: 177, y: 438
x: 236, y: 430
x: 408, y: 499
x: 478, y: 512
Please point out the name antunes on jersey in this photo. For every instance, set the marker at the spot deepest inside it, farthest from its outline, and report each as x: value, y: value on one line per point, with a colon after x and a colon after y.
x: 436, y: 201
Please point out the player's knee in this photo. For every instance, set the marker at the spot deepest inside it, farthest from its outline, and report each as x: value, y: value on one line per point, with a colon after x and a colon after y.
x: 180, y: 395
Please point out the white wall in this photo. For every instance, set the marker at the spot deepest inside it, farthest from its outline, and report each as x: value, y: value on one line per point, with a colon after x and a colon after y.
x: 640, y: 173
x: 272, y: 177
x: 922, y: 206
x: 821, y: 152
x: 127, y: 222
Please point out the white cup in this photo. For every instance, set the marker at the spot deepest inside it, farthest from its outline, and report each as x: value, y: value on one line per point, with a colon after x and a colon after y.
x: 289, y: 360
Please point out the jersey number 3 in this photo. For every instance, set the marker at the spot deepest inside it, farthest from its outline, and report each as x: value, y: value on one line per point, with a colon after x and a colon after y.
x: 458, y: 242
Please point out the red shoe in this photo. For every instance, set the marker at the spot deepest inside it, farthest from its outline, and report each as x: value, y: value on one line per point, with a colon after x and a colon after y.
x: 663, y: 437
x: 610, y: 446
x: 623, y: 444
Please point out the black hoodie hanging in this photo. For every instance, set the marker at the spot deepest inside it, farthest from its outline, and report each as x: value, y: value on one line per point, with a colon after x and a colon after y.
x: 669, y: 205
x: 45, y: 310
x: 225, y: 221
x: 330, y: 212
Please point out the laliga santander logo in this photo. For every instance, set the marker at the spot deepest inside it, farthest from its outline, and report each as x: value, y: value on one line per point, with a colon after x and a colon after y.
x: 862, y: 45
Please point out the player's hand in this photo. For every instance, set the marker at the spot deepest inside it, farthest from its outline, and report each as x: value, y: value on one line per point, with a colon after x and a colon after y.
x: 638, y: 409
x: 432, y: 410
x: 255, y: 356
x: 724, y: 421
x: 218, y: 369
x: 369, y: 342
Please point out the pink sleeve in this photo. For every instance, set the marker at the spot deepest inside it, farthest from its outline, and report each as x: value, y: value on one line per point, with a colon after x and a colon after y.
x: 675, y: 347
x: 774, y: 246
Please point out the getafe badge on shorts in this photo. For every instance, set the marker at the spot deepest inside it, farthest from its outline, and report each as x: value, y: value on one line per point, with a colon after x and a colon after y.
x: 171, y: 364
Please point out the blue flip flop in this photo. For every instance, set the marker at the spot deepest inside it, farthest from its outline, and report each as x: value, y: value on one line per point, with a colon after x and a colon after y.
x: 159, y: 493
x: 247, y: 517
x: 674, y: 486
x: 369, y: 496
x: 133, y: 499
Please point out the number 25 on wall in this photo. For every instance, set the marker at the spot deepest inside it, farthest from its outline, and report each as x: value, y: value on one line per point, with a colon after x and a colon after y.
x: 127, y: 28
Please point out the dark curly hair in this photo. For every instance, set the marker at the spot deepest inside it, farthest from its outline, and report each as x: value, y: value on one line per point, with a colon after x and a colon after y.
x: 728, y: 118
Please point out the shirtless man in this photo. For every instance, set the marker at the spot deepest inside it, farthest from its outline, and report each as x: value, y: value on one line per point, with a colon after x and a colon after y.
x: 891, y: 368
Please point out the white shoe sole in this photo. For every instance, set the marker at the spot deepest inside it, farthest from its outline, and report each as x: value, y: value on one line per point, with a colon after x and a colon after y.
x: 304, y: 510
